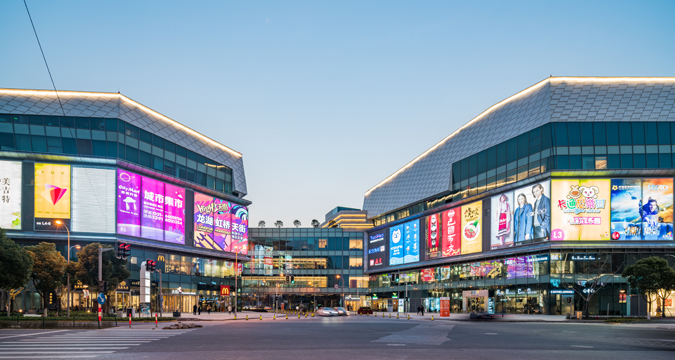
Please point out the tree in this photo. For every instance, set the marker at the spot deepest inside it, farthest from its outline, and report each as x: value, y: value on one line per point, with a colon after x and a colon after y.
x: 86, y: 268
x: 16, y: 266
x: 278, y: 224
x: 598, y: 273
x: 297, y: 223
x: 49, y: 266
x: 653, y: 278
x: 261, y: 223
x: 315, y: 223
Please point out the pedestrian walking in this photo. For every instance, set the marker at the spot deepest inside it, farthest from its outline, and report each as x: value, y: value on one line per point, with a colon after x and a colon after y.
x: 422, y: 309
x: 194, y: 309
x: 208, y: 309
x: 229, y: 309
x: 418, y: 310
x: 199, y: 310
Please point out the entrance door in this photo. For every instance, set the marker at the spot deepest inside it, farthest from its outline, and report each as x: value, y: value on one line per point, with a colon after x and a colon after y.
x: 476, y: 304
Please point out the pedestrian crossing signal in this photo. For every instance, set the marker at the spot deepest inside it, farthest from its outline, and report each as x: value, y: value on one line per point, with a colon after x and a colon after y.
x: 292, y: 279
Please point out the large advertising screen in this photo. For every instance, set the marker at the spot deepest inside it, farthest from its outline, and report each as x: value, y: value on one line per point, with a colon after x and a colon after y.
x: 521, y: 216
x: 641, y: 209
x: 149, y: 208
x: 212, y: 223
x: 377, y: 250
x: 472, y: 225
x: 128, y: 203
x: 52, y: 196
x: 404, y: 243
x: 239, y: 214
x: 581, y: 210
x: 442, y: 234
x: 10, y: 200
x: 93, y: 200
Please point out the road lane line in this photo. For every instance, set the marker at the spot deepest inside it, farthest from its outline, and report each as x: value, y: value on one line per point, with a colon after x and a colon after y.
x: 40, y: 333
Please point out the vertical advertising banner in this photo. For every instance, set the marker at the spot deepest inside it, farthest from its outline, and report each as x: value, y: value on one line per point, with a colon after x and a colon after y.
x: 152, y: 209
x: 174, y: 214
x: 222, y: 224
x: 472, y: 239
x: 52, y: 196
x: 239, y: 215
x: 128, y: 203
x: 434, y: 238
x: 445, y: 307
x: 396, y: 245
x: 412, y: 242
x: 626, y: 200
x: 93, y: 200
x: 657, y: 209
x: 501, y: 223
x: 377, y: 249
x: 10, y: 195
x: 452, y: 240
x: 203, y: 222
x: 581, y: 210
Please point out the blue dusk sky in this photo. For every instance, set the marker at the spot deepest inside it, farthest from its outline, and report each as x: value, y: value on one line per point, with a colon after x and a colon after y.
x: 326, y: 99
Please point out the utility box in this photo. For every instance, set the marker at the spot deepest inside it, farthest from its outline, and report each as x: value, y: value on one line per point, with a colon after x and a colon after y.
x: 579, y: 315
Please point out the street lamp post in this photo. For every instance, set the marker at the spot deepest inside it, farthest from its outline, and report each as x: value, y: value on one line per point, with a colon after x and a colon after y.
x: 60, y: 223
x: 343, y: 289
x: 236, y: 276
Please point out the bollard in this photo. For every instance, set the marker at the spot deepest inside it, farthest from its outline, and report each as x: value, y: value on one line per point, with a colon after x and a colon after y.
x: 155, y: 319
x: 275, y: 317
x: 312, y: 314
x: 432, y: 318
x: 286, y: 316
x: 246, y: 317
x: 397, y: 315
x: 260, y: 316
x: 235, y: 316
x: 129, y: 320
x: 390, y: 315
x: 305, y: 315
x: 382, y: 314
x: 408, y: 317
x: 298, y: 315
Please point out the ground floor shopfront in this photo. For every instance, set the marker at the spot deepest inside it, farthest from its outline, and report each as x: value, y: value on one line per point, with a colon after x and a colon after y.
x: 549, y: 283
x: 307, y: 301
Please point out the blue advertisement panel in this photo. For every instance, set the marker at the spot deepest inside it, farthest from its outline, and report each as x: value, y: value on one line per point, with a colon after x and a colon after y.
x: 412, y: 242
x: 642, y: 209
x: 626, y: 196
x: 396, y: 245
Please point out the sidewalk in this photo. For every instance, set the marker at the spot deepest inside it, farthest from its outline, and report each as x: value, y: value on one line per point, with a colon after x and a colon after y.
x: 221, y: 316
x: 497, y: 317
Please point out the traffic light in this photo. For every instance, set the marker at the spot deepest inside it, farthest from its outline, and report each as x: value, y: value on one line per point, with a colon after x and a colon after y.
x: 292, y: 279
x: 103, y: 286
x: 150, y: 265
x: 123, y: 250
x: 288, y: 279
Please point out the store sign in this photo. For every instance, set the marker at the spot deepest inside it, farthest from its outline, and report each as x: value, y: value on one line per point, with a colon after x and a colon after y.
x: 562, y: 292
x: 10, y: 195
x: 52, y: 196
x: 224, y: 290
x: 582, y: 257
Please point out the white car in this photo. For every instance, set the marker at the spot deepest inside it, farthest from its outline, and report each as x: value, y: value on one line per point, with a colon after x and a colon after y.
x: 326, y: 311
x: 342, y: 311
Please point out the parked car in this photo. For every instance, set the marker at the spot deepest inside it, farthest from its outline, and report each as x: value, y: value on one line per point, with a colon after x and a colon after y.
x: 364, y: 310
x: 342, y: 311
x: 326, y: 311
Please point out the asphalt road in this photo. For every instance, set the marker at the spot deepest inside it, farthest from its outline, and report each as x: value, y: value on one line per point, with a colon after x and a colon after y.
x: 349, y: 338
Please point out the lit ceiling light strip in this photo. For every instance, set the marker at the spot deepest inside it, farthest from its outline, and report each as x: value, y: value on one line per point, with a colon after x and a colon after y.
x: 134, y: 103
x: 514, y: 97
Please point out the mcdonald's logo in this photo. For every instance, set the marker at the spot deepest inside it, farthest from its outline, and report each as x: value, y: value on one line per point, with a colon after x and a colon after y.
x: 224, y: 290
x: 161, y: 258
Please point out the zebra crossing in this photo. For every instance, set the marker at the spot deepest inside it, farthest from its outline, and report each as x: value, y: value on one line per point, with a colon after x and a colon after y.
x: 81, y: 344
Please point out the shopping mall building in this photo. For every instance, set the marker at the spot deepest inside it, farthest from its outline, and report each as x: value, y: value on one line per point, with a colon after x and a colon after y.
x: 537, y: 202
x: 113, y: 170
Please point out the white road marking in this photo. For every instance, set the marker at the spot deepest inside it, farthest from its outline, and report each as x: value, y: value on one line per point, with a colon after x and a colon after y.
x: 582, y: 346
x: 490, y: 333
x: 39, y: 333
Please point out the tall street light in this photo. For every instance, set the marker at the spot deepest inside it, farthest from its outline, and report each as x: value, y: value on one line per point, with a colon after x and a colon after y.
x: 60, y: 223
x: 343, y: 289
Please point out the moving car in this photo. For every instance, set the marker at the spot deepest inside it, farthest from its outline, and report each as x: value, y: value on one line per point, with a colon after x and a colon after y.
x: 364, y: 310
x: 342, y: 311
x: 326, y: 311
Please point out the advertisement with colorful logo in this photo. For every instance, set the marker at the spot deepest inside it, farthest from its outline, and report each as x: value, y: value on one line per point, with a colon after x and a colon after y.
x: 10, y: 200
x: 581, y: 210
x: 433, y: 235
x: 626, y: 200
x: 452, y: 240
x: 428, y: 275
x: 239, y: 229
x: 152, y: 209
x: 657, y: 209
x: 222, y: 224
x: 377, y: 249
x: 412, y: 242
x: 396, y: 243
x: 472, y: 238
x: 128, y: 203
x: 52, y: 196
x: 174, y: 214
x: 203, y: 223
x: 521, y: 216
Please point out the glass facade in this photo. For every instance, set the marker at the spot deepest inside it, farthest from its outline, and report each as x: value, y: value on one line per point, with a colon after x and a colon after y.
x: 111, y: 138
x: 318, y: 259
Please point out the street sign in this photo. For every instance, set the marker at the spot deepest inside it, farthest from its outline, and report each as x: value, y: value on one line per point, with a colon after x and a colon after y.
x: 335, y: 286
x: 101, y: 299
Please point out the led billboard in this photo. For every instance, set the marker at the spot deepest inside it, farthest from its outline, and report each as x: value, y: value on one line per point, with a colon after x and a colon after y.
x: 93, y: 204
x: 10, y: 198
x: 581, y: 210
x: 239, y: 224
x: 377, y: 249
x: 404, y: 243
x: 472, y: 224
x: 52, y: 196
x: 641, y: 209
x: 128, y: 203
